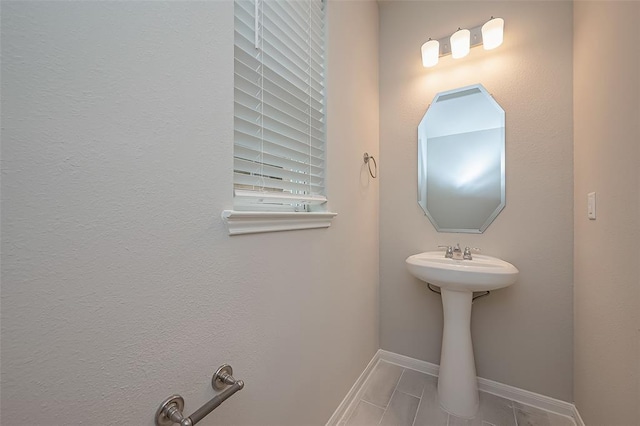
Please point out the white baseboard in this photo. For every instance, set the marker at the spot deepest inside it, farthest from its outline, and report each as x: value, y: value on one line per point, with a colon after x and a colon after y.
x: 576, y: 417
x: 347, y: 405
x: 407, y: 362
x: 533, y: 399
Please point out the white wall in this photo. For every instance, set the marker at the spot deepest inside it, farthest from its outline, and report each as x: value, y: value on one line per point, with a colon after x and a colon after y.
x: 120, y: 285
x: 607, y: 250
x: 522, y: 334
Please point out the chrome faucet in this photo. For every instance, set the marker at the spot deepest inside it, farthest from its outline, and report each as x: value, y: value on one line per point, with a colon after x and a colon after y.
x: 449, y: 253
x: 467, y: 253
x: 455, y: 252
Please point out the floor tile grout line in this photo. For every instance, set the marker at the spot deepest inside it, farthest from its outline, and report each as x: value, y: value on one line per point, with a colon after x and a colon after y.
x: 513, y: 407
x: 346, y: 421
x: 385, y: 410
x: 419, y: 402
x: 361, y: 388
x: 395, y: 388
x: 371, y: 403
x: 366, y: 402
x: 379, y: 406
x: 392, y: 393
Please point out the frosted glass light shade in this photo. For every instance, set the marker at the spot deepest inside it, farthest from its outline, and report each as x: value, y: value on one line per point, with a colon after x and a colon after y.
x: 460, y: 43
x: 430, y: 53
x: 492, y: 33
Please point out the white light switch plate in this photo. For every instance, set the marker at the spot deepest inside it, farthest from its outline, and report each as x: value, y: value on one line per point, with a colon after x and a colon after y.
x: 591, y: 205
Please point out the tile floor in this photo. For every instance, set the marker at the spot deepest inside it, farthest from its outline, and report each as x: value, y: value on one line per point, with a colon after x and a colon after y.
x: 397, y: 396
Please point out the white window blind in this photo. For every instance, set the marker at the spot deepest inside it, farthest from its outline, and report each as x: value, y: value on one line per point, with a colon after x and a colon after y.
x: 279, y: 108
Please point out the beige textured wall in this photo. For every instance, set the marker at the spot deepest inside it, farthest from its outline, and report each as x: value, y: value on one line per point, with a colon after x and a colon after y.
x: 607, y: 259
x: 522, y: 334
x: 120, y: 285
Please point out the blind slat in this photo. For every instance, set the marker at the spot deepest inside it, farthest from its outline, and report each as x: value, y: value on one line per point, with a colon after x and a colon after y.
x: 269, y: 184
x: 265, y: 165
x: 256, y: 155
x: 284, y: 10
x: 301, y: 176
x: 245, y: 121
x: 252, y: 140
x: 282, y: 30
x: 262, y: 197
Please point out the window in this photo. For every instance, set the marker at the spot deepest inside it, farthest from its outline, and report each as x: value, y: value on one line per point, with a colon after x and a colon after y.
x: 279, y: 107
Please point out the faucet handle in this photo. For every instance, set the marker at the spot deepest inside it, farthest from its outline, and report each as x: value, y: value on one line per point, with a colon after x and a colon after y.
x: 449, y: 253
x: 467, y: 252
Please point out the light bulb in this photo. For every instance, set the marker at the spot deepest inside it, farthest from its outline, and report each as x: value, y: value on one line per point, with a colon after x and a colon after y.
x: 492, y: 33
x: 460, y: 43
x: 430, y: 53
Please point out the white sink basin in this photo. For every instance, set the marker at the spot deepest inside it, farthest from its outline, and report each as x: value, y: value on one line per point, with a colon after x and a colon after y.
x: 483, y: 273
x: 458, y: 279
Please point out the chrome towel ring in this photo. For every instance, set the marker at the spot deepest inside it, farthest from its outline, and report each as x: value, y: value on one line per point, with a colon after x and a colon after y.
x: 368, y: 157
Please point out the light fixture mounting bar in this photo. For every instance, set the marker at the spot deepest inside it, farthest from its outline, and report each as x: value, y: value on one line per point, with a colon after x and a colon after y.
x: 476, y: 40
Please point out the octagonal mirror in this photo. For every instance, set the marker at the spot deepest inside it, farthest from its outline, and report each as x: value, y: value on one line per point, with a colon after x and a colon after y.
x: 461, y: 163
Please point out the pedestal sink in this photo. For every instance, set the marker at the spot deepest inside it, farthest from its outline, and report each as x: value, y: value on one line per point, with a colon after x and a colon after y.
x: 458, y: 279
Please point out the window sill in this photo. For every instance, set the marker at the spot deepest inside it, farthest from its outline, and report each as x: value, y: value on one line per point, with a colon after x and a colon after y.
x: 244, y: 222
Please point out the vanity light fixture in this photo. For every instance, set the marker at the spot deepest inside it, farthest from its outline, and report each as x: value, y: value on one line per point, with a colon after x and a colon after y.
x: 490, y: 35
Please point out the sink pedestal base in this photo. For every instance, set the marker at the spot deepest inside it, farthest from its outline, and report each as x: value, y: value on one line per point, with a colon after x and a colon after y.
x: 457, y: 383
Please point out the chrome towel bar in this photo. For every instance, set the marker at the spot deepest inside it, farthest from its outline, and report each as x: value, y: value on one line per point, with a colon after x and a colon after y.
x: 170, y: 411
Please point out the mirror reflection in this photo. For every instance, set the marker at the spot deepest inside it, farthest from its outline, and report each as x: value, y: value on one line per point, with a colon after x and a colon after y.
x: 461, y: 166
